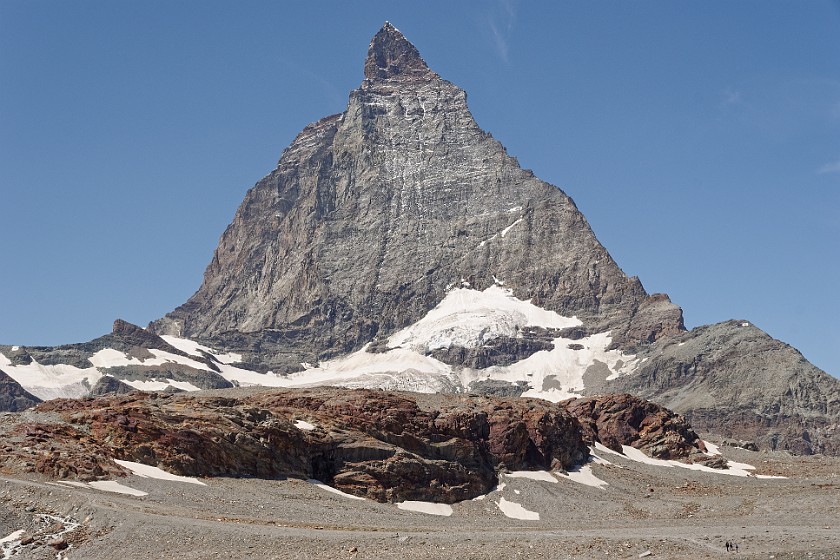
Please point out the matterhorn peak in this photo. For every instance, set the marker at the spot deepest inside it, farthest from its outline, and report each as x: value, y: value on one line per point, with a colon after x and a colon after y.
x: 391, y: 54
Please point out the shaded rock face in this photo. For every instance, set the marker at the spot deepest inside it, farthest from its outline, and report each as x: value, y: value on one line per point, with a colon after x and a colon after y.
x: 372, y: 214
x: 108, y: 385
x: 13, y: 397
x: 388, y: 447
x: 735, y: 380
x: 616, y: 420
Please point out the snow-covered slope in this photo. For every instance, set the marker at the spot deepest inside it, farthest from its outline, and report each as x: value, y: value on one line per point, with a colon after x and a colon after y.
x: 466, y: 319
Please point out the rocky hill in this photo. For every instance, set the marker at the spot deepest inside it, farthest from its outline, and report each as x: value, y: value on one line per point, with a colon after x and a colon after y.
x: 383, y: 446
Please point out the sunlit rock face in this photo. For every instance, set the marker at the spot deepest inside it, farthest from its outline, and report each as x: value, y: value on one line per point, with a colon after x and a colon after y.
x: 372, y: 215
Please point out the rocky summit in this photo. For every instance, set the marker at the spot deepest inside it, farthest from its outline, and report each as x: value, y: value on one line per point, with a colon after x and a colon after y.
x: 373, y: 215
x: 398, y: 246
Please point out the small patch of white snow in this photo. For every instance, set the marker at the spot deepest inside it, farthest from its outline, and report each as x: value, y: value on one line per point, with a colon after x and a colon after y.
x: 516, y: 511
x: 114, y: 486
x: 303, y: 425
x: 507, y: 229
x: 604, y: 449
x: 543, y: 476
x: 12, y: 537
x: 584, y: 475
x: 597, y: 459
x: 148, y: 471
x: 711, y: 449
x: 429, y: 508
x: 155, y: 385
x: 323, y: 486
x: 735, y: 469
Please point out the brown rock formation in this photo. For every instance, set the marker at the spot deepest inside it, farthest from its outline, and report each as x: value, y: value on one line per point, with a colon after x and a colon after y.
x: 616, y: 420
x: 379, y: 445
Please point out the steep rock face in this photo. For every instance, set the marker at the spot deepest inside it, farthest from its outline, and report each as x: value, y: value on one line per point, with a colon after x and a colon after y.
x: 13, y: 397
x: 735, y: 380
x: 372, y: 214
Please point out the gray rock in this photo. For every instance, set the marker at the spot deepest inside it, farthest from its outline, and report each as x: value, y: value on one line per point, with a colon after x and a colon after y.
x: 734, y: 380
x: 371, y: 214
x: 13, y: 397
x: 109, y: 385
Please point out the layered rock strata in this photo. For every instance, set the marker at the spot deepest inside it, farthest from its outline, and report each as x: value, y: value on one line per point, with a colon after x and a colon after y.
x: 383, y: 446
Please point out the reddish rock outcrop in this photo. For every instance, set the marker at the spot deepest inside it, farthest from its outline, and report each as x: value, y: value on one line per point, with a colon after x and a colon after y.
x: 384, y: 446
x: 380, y: 445
x: 622, y: 419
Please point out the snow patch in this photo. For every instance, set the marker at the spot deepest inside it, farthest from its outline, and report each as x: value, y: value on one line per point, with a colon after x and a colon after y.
x: 108, y: 357
x: 543, y: 476
x: 323, y: 486
x: 13, y: 536
x: 429, y: 508
x: 516, y: 511
x: 735, y: 469
x: 148, y: 471
x: 195, y: 349
x: 507, y: 229
x: 155, y: 385
x: 10, y: 543
x: 597, y: 459
x: 469, y: 318
x: 712, y: 450
x: 114, y: 486
x: 303, y: 425
x: 53, y: 381
x: 584, y: 475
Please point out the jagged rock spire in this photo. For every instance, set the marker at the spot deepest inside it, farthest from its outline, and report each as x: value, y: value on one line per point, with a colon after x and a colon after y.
x: 391, y: 54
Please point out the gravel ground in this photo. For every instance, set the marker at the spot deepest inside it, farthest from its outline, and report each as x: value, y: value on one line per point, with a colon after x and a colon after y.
x: 668, y: 512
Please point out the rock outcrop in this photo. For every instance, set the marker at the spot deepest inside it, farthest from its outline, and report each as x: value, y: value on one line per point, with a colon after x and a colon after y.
x: 734, y: 380
x: 622, y: 419
x: 384, y: 446
x: 110, y: 385
x: 13, y: 397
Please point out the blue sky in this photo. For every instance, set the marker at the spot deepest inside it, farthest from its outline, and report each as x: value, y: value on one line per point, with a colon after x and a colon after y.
x: 701, y: 141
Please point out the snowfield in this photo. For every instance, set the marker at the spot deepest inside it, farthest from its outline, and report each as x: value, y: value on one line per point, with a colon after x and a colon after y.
x: 466, y: 318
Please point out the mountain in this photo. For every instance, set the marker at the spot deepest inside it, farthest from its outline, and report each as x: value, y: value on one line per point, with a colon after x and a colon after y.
x: 398, y: 246
x: 373, y: 215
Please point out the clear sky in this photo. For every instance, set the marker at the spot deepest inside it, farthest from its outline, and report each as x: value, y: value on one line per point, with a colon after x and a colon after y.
x: 700, y: 139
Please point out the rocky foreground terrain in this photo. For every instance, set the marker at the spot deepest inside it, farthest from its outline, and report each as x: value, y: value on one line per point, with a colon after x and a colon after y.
x: 614, y: 506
